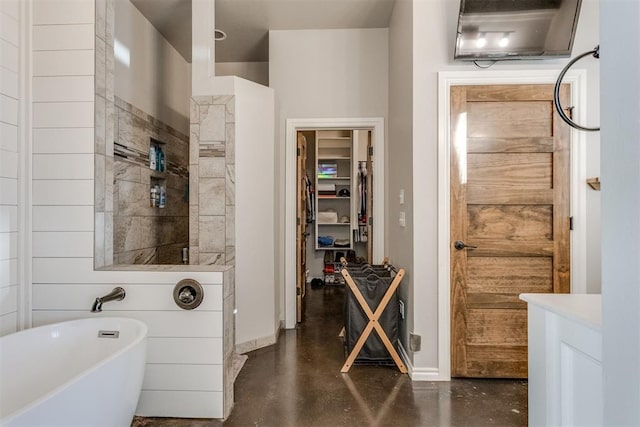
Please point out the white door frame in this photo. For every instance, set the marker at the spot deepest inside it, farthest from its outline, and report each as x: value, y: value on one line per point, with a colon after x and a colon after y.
x: 293, y: 125
x: 578, y: 81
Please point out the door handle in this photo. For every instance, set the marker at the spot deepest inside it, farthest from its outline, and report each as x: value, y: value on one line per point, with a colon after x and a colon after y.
x: 460, y: 245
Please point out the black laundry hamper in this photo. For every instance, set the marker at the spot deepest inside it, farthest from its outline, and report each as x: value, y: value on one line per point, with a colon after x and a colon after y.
x: 373, y: 288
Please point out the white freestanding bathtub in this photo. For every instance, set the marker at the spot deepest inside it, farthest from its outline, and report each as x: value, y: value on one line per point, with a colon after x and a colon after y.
x: 75, y: 373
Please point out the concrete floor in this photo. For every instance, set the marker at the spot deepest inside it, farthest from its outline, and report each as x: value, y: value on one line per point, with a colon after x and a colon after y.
x: 297, y: 382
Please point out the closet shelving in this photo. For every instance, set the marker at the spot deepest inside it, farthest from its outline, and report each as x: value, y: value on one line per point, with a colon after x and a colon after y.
x: 334, y: 187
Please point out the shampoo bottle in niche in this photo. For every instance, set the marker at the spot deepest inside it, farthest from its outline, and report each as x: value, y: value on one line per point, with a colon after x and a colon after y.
x: 163, y: 197
x: 152, y: 197
x: 161, y: 165
x: 152, y: 157
x: 157, y: 189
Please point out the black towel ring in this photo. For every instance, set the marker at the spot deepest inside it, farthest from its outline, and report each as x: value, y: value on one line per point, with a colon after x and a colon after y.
x: 556, y: 93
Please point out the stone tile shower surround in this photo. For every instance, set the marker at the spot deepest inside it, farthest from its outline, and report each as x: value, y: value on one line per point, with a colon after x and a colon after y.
x: 145, y: 234
x: 212, y: 181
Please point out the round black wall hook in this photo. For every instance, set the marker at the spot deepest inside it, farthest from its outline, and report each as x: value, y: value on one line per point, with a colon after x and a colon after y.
x: 556, y: 92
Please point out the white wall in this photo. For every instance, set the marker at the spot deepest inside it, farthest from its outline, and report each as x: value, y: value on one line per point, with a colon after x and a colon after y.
x: 323, y: 74
x: 433, y: 45
x: 183, y: 375
x: 400, y: 153
x: 149, y: 72
x: 255, y: 71
x: 620, y: 109
x: 9, y: 158
x: 257, y: 320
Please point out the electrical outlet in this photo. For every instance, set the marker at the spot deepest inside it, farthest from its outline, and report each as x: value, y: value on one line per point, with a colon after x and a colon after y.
x: 401, y: 304
x: 402, y: 196
x: 402, y: 220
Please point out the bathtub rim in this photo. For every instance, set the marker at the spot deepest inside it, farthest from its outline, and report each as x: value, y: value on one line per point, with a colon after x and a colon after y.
x: 144, y: 329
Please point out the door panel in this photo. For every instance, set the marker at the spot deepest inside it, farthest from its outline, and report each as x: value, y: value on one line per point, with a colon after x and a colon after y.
x: 509, y: 197
x: 301, y: 239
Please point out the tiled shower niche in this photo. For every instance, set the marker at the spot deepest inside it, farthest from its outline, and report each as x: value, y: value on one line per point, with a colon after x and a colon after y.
x: 145, y: 233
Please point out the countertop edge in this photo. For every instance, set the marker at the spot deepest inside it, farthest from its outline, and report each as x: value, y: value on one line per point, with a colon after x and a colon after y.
x: 582, y: 308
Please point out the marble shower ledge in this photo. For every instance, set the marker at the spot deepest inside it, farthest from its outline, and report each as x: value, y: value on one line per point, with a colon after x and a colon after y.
x: 174, y: 268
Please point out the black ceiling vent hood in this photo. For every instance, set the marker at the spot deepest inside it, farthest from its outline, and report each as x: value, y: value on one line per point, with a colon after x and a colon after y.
x: 516, y: 29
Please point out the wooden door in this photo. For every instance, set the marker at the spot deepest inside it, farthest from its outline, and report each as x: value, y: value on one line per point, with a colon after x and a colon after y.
x: 510, y: 198
x: 301, y: 234
x: 370, y: 196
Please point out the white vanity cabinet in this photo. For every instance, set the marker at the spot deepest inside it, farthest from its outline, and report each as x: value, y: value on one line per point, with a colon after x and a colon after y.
x: 565, y: 359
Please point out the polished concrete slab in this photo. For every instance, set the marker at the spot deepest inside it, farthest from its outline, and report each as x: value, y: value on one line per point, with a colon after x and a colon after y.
x: 297, y: 382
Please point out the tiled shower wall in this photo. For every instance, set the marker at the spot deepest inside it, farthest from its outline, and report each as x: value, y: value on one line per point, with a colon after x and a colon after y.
x: 212, y: 181
x: 145, y: 234
x: 9, y: 154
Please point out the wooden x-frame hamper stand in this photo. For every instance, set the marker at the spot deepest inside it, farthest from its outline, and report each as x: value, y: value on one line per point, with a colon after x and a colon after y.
x: 373, y: 317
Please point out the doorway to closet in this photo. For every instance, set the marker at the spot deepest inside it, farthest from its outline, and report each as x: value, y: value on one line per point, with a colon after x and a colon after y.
x: 334, y: 204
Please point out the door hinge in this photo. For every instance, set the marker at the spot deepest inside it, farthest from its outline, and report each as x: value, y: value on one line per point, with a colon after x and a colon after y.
x: 298, y: 291
x: 570, y: 223
x: 371, y: 150
x: 298, y: 221
x: 371, y: 220
x: 298, y: 152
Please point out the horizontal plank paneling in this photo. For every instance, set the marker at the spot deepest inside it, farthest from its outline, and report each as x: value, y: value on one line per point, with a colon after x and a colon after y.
x: 63, y: 140
x: 512, y: 222
x: 147, y: 297
x: 478, y: 194
x: 8, y: 245
x: 8, y: 272
x: 183, y: 377
x: 63, y: 12
x: 63, y: 114
x: 493, y: 247
x: 8, y: 323
x: 496, y: 360
x: 80, y: 270
x: 76, y: 166
x: 63, y: 218
x: 185, y: 350
x: 8, y: 164
x: 10, y: 8
x: 62, y: 244
x: 63, y: 89
x: 8, y: 300
x: 185, y: 404
x: 193, y: 324
x: 8, y: 110
x: 8, y: 219
x: 509, y: 119
x: 8, y: 137
x: 9, y: 55
x: 63, y: 63
x: 514, y: 170
x: 8, y: 83
x: 497, y: 327
x: 63, y: 37
x: 63, y: 192
x: 510, y: 145
x: 8, y: 191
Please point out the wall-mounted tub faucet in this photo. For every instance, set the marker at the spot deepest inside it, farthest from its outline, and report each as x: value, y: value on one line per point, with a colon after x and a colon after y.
x: 117, y: 294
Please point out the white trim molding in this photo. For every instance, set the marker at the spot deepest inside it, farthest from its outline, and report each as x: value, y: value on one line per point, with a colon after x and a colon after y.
x: 577, y: 79
x: 292, y: 126
x: 25, y: 182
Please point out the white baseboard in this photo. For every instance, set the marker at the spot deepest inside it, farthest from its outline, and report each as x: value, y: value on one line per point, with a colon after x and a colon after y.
x: 420, y: 374
x: 257, y: 343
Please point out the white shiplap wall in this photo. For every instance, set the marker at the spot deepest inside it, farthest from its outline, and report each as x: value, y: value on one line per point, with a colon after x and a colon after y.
x: 184, y: 371
x: 9, y: 156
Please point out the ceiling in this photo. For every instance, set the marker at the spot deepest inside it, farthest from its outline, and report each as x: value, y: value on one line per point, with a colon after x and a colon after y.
x: 247, y: 22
